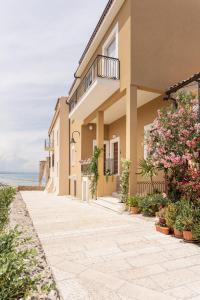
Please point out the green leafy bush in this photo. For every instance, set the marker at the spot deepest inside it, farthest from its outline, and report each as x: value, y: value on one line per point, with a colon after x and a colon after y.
x: 187, y: 214
x: 178, y: 225
x: 151, y: 204
x: 7, y: 195
x: 171, y: 213
x: 16, y: 281
x: 196, y: 231
x: 17, y: 261
x: 124, y: 180
x: 133, y: 201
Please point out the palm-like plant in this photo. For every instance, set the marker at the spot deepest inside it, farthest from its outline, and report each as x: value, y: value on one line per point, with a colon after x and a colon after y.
x: 147, y: 169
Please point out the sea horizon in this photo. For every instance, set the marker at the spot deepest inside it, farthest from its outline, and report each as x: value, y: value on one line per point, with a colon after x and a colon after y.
x: 16, y: 178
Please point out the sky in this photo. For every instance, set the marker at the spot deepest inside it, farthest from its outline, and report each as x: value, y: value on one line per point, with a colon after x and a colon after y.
x: 41, y: 42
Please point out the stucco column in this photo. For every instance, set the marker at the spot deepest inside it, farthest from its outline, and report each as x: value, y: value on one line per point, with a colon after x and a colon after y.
x: 131, y: 135
x: 100, y: 144
x: 64, y: 140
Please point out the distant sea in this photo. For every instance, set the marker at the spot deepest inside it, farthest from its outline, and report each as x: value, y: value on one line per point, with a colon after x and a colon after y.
x: 17, y: 178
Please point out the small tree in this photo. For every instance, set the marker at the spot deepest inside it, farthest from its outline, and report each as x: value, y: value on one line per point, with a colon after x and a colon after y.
x: 124, y: 180
x: 93, y: 171
x: 174, y: 142
x: 147, y: 169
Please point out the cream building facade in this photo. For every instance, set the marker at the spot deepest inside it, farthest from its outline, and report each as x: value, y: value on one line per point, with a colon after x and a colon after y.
x: 136, y: 51
x: 57, y: 146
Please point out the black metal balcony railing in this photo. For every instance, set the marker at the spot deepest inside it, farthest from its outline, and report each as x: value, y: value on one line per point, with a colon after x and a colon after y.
x: 103, y: 67
x: 48, y: 145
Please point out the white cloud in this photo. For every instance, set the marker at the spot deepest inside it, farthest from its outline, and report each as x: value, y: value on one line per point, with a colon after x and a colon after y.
x: 41, y: 43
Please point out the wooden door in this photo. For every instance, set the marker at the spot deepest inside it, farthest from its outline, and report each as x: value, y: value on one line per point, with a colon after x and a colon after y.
x: 116, y: 157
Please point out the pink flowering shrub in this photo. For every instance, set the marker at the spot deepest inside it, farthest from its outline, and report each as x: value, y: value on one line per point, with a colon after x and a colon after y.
x: 190, y: 184
x: 174, y: 140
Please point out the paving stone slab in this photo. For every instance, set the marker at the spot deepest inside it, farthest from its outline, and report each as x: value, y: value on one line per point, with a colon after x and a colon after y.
x: 95, y: 253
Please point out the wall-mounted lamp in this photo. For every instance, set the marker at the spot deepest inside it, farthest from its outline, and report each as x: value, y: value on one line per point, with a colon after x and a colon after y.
x: 72, y: 139
x: 90, y: 127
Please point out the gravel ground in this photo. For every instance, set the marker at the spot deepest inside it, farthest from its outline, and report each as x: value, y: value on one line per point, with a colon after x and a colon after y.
x: 20, y: 216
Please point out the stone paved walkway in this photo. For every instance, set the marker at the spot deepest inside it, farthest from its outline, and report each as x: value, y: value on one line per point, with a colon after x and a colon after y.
x: 98, y: 254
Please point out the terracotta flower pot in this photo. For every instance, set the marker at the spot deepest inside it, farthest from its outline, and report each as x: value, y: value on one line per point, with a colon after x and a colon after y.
x: 187, y: 235
x: 157, y: 227
x: 162, y: 221
x: 164, y: 230
x: 126, y: 207
x: 134, y: 210
x: 178, y: 233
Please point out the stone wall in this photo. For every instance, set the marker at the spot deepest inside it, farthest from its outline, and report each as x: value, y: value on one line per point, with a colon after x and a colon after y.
x: 30, y: 188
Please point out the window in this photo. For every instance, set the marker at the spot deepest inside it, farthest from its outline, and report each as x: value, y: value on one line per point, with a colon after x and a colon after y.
x: 111, y: 50
x: 52, y: 160
x: 110, y: 47
x: 75, y: 188
x: 147, y: 129
x: 49, y: 160
x: 88, y: 79
x: 115, y: 155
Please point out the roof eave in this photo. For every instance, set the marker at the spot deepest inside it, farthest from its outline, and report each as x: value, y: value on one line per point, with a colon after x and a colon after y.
x: 104, y: 23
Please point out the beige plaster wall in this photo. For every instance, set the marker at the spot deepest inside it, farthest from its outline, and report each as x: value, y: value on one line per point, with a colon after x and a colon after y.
x: 75, y: 170
x: 59, y: 133
x: 54, y: 171
x: 165, y: 41
x: 64, y: 148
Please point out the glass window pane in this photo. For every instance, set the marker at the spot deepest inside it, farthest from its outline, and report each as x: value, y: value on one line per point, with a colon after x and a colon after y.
x: 111, y: 49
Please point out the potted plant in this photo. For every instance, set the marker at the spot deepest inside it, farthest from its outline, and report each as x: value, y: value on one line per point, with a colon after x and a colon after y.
x: 133, y: 204
x: 196, y: 231
x: 151, y: 204
x: 178, y: 227
x: 171, y: 214
x: 161, y: 216
x: 162, y: 228
x: 187, y: 234
x: 187, y: 219
x: 161, y: 225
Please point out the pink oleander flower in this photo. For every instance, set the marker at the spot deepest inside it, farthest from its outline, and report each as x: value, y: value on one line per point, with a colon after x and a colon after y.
x: 185, y: 132
x: 191, y: 143
x: 194, y: 101
x: 197, y: 126
x: 196, y: 155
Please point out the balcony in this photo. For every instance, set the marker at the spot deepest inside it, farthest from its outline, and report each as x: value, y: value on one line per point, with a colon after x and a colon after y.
x: 48, y: 145
x: 99, y: 83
